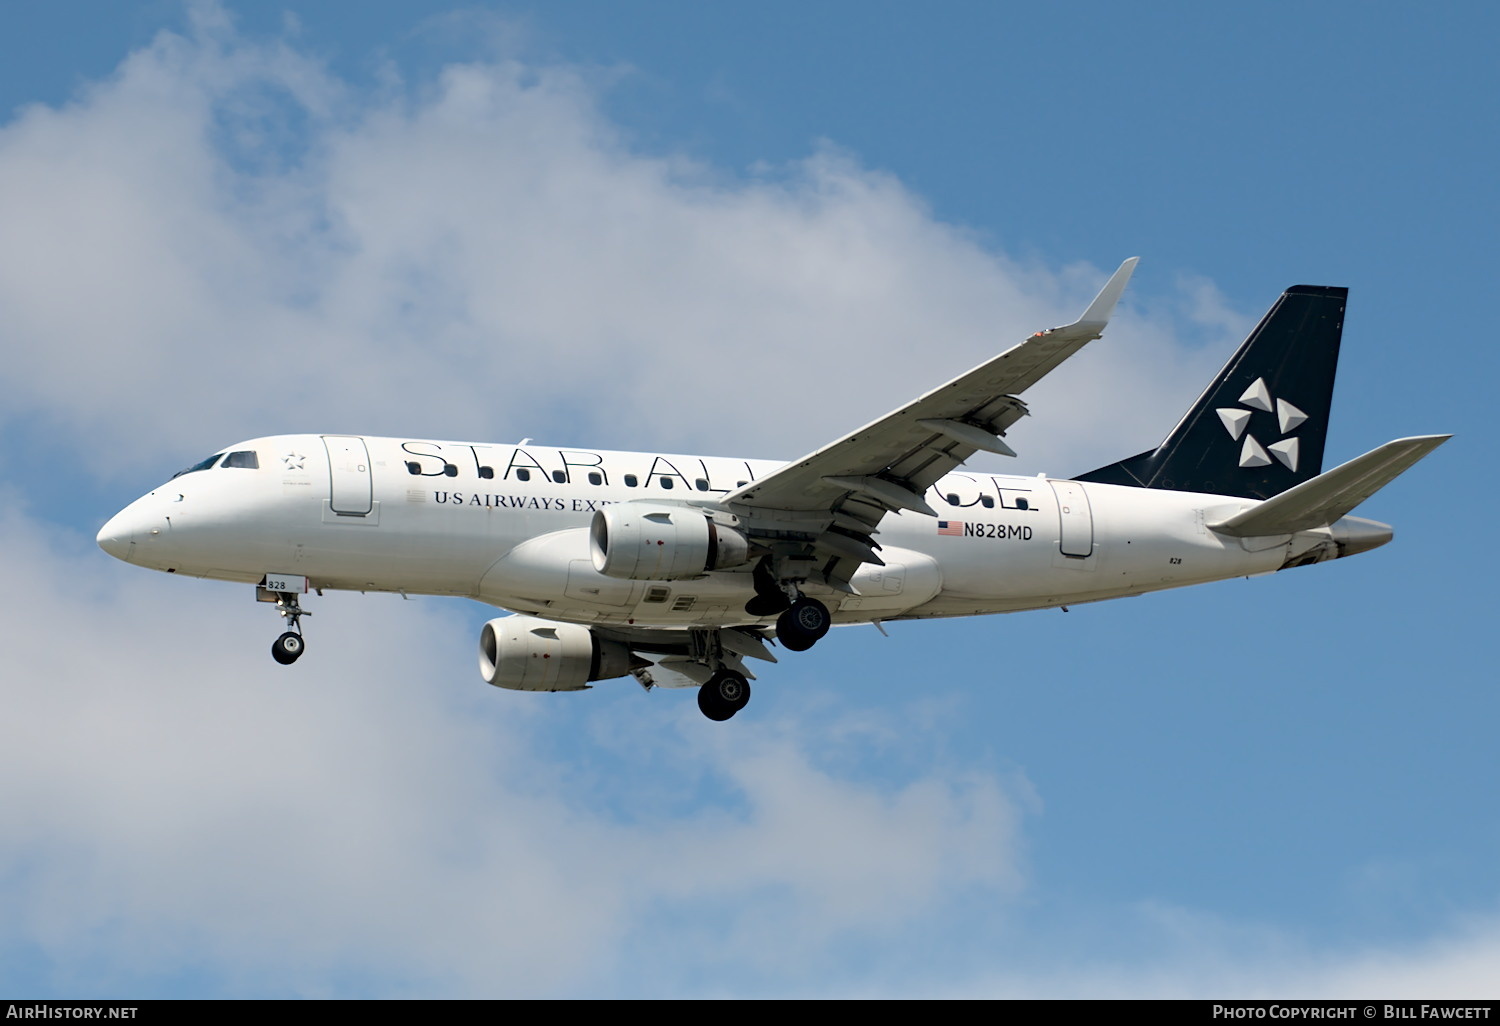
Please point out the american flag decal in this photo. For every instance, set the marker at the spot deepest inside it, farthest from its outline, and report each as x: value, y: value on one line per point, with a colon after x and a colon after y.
x: 953, y: 527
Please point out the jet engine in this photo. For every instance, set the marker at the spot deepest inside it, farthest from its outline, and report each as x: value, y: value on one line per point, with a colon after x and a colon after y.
x: 526, y: 653
x: 644, y: 541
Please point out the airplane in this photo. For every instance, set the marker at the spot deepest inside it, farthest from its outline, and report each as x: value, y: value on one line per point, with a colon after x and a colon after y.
x: 675, y: 570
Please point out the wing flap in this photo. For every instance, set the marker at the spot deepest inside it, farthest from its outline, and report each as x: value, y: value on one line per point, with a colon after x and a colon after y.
x: 686, y: 657
x: 674, y: 672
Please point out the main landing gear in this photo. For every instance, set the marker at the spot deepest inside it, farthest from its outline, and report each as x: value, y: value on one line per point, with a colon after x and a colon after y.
x: 288, y: 648
x: 727, y: 689
x: 803, y: 624
x: 725, y: 694
x: 803, y: 621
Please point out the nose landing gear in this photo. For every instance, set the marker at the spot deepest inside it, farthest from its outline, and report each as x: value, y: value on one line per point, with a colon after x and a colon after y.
x: 288, y: 648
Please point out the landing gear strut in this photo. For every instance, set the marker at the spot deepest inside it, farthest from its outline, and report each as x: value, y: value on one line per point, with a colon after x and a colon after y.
x: 288, y: 648
x: 725, y: 694
x: 770, y: 598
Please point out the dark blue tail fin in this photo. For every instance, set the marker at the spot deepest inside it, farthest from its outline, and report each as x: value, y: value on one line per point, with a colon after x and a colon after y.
x: 1259, y: 428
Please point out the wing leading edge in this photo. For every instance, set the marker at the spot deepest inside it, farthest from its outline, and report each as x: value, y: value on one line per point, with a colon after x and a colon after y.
x: 825, y: 507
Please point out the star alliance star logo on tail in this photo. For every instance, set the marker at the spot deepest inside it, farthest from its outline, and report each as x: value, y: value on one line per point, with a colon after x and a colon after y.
x: 1252, y: 453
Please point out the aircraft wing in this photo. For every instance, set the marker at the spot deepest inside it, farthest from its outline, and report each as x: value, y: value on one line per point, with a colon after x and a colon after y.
x: 830, y: 502
x: 686, y: 658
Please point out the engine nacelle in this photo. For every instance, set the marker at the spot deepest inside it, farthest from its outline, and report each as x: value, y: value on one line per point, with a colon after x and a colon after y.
x: 527, y: 653
x: 646, y: 541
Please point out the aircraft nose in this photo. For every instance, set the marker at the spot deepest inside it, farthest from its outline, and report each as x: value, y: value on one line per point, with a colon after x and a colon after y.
x: 117, y: 536
x: 128, y: 529
x: 116, y: 539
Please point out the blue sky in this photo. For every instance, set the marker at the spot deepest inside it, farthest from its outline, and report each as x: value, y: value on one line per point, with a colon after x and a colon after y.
x: 696, y: 228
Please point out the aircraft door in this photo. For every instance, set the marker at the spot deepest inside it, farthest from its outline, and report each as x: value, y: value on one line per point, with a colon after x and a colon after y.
x: 1075, y: 518
x: 350, y: 491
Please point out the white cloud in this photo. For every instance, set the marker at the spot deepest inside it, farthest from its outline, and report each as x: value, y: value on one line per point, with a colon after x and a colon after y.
x: 1207, y: 959
x: 175, y: 801
x: 224, y: 240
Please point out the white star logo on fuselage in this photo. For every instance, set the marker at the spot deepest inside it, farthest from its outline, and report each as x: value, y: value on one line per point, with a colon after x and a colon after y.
x: 1252, y: 453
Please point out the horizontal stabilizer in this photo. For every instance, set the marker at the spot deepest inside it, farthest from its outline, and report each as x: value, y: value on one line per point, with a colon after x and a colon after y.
x: 1324, y: 499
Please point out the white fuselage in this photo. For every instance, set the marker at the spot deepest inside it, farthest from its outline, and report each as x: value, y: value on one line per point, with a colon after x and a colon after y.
x: 508, y: 525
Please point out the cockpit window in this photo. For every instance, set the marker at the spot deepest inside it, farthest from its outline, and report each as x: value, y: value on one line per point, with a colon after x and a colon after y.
x: 246, y: 460
x: 200, y: 466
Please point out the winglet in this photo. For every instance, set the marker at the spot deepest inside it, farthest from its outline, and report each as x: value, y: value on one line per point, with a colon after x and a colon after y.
x: 1097, y: 315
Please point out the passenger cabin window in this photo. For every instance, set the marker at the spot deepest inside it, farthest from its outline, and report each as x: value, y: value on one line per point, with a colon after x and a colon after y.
x: 199, y: 466
x: 595, y: 478
x: 244, y: 460
x: 560, y: 476
x: 630, y: 480
x: 702, y: 484
x: 666, y: 483
x: 522, y: 474
x: 1022, y: 504
x: 987, y: 502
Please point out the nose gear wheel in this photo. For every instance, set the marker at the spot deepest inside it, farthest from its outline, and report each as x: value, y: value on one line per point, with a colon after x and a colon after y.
x: 288, y: 648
